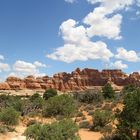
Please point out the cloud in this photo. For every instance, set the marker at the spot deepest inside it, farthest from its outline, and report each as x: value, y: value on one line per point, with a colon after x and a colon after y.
x: 112, y: 5
x: 104, y: 21
x: 70, y: 1
x: 39, y: 64
x: 103, y: 26
x: 101, y: 22
x: 119, y: 65
x: 78, y: 45
x: 4, y: 67
x: 1, y: 57
x: 22, y: 68
x: 130, y: 56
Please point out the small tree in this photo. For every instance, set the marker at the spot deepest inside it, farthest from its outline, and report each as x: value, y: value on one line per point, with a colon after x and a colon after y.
x: 108, y: 91
x: 49, y: 93
x: 9, y: 116
x: 129, y: 118
x: 34, y: 97
x: 62, y: 105
x: 101, y: 119
x: 129, y: 88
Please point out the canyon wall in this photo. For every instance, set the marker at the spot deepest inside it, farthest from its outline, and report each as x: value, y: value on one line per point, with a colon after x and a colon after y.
x: 76, y: 80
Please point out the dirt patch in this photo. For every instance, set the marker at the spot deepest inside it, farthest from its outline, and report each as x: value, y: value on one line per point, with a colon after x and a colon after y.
x: 89, y: 135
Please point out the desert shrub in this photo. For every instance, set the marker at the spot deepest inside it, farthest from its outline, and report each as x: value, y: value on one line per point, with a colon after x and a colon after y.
x: 89, y: 107
x: 88, y: 97
x: 5, y: 129
x: 63, y: 130
x: 16, y: 103
x: 34, y: 97
x: 108, y: 91
x: 62, y: 105
x: 90, y: 112
x: 37, y: 100
x: 107, y: 107
x: 9, y: 116
x: 49, y: 93
x: 101, y: 118
x: 11, y: 101
x: 129, y: 88
x: 79, y: 114
x: 34, y: 113
x: 111, y: 137
x: 85, y: 124
x: 107, y: 129
x: 32, y: 107
x: 32, y: 122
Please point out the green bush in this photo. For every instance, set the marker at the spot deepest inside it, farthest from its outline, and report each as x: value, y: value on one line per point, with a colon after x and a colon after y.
x: 108, y: 91
x: 11, y: 101
x: 85, y: 124
x: 88, y: 97
x: 62, y: 105
x: 63, y: 130
x: 37, y: 101
x: 9, y: 116
x: 129, y: 88
x: 49, y: 93
x: 34, y: 97
x: 32, y: 122
x: 101, y: 118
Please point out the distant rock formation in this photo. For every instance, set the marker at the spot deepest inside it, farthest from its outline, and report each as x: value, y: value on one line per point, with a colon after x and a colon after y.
x: 76, y: 80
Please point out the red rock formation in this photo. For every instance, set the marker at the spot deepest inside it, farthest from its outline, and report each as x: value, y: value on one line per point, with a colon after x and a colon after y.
x: 4, y: 86
x: 77, y: 80
x: 15, y: 83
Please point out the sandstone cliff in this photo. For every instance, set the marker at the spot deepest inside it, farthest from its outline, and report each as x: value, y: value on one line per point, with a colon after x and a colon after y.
x: 76, y: 80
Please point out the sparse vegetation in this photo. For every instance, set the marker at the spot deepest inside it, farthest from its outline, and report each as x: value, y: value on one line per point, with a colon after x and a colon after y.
x: 63, y: 130
x: 49, y: 93
x: 5, y: 129
x: 94, y: 111
x: 89, y: 97
x: 101, y: 118
x: 62, y: 105
x: 9, y: 116
x: 108, y: 91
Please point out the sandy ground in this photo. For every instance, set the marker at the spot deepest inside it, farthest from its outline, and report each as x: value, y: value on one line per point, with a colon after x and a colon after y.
x: 89, y: 135
x: 14, y: 135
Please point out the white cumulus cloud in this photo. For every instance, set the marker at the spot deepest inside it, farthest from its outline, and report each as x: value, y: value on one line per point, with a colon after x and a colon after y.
x: 1, y: 57
x: 22, y: 68
x: 39, y: 64
x: 130, y: 56
x: 119, y: 65
x: 78, y: 45
x: 4, y: 67
x: 101, y: 22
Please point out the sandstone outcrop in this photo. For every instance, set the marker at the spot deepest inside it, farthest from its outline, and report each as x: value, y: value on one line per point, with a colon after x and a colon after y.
x: 76, y: 80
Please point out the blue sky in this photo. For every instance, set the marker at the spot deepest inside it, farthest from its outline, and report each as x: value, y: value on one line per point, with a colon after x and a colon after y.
x: 48, y: 36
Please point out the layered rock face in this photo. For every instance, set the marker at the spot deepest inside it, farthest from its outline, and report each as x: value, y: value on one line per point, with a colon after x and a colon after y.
x: 77, y: 80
